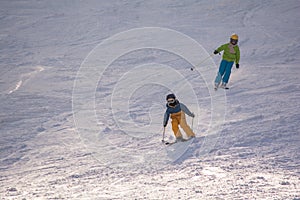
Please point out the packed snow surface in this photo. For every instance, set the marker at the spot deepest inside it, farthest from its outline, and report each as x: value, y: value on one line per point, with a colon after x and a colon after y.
x: 83, y: 86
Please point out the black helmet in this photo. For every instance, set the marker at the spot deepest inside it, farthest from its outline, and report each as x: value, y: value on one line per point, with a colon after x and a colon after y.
x: 170, y: 96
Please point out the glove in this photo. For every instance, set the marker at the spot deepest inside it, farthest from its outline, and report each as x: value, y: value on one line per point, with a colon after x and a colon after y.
x: 237, y: 65
x: 216, y: 52
x: 193, y: 115
x: 165, y: 125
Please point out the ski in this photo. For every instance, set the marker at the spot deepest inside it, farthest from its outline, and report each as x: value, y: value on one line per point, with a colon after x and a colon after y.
x: 183, y: 140
x: 225, y: 88
x: 170, y: 143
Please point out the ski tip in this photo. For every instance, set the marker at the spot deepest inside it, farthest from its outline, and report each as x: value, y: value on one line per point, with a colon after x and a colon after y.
x: 169, y: 143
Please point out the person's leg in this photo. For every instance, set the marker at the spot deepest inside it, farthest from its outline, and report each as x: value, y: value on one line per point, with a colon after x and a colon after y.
x: 175, y: 122
x: 227, y: 72
x: 221, y: 72
x: 185, y: 126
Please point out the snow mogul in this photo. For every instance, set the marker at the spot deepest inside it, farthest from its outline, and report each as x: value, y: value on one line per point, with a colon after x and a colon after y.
x: 177, y: 111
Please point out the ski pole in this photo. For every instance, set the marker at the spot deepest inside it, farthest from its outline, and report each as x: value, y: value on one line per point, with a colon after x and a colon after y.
x: 192, y: 123
x: 192, y: 68
x: 163, y: 140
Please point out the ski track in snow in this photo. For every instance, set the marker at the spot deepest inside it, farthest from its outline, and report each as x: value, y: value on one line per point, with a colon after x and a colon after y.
x: 24, y: 78
x: 254, y: 155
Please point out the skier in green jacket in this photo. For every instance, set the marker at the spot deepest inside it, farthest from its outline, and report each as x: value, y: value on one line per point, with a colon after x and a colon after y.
x: 231, y: 54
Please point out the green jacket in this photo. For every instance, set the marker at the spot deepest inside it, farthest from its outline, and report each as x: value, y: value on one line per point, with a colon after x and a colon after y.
x: 230, y: 57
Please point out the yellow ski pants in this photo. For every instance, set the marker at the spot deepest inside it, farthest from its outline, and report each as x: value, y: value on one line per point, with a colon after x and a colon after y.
x: 179, y: 119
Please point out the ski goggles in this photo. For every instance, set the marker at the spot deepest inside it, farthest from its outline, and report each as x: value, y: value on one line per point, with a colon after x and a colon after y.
x: 171, y: 101
x: 233, y: 41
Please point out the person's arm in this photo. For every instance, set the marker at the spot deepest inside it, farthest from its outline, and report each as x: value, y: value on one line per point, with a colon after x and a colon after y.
x: 219, y: 49
x: 166, y: 118
x: 237, y: 60
x: 186, y: 110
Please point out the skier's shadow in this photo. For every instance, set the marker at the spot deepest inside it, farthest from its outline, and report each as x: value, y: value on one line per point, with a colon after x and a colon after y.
x: 192, y: 151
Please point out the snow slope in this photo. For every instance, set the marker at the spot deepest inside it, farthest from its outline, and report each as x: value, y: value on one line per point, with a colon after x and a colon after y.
x: 82, y: 90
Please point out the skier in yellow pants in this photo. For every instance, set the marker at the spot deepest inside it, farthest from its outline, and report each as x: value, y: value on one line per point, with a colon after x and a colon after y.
x: 177, y: 111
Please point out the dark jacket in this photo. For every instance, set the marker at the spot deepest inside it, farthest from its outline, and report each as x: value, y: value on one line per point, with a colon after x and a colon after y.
x: 177, y: 108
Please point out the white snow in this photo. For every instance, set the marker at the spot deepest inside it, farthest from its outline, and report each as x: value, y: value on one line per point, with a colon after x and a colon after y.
x: 82, y: 92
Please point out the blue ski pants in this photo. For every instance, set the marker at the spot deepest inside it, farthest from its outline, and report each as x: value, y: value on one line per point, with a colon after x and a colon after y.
x: 224, y: 72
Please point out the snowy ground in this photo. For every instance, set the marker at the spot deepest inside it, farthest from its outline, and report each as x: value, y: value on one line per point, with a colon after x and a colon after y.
x: 74, y: 125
